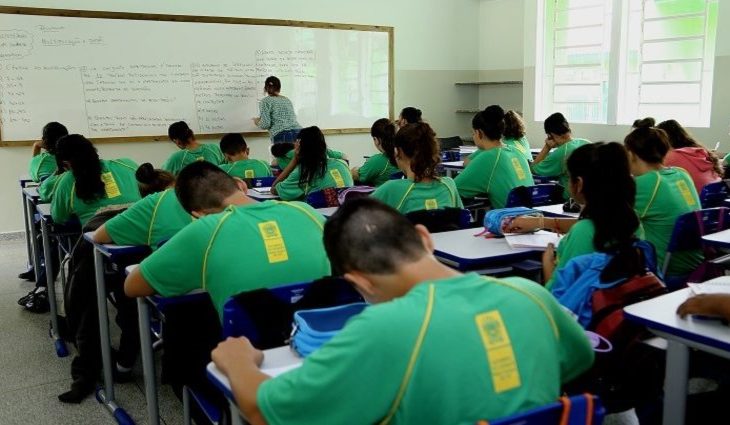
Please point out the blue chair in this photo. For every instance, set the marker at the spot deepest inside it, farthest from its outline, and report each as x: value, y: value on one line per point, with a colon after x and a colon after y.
x: 687, y: 235
x: 713, y: 195
x: 442, y: 220
x: 261, y: 181
x: 535, y: 196
x: 397, y: 176
x: 582, y: 409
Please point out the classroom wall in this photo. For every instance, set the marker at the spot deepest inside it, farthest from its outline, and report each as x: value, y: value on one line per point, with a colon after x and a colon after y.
x: 429, y: 58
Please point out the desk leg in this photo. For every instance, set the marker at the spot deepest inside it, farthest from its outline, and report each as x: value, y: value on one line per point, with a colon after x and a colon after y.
x: 27, y: 228
x: 33, y: 236
x: 235, y: 413
x: 675, y: 383
x: 61, y: 350
x: 148, y: 361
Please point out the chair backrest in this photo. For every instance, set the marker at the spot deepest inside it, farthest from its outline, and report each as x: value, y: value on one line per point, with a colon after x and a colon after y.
x: 260, y: 182
x: 397, y: 176
x: 265, y: 316
x: 689, y: 228
x: 453, y: 142
x: 713, y: 195
x: 535, y: 196
x: 582, y: 409
x: 441, y: 220
x: 324, y: 198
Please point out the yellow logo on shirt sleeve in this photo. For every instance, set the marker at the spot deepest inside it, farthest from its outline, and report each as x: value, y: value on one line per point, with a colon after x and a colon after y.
x: 273, y: 242
x: 110, y: 185
x: 339, y: 181
x: 500, y: 355
x: 686, y: 193
x: 249, y: 174
x: 431, y: 204
x: 518, y: 169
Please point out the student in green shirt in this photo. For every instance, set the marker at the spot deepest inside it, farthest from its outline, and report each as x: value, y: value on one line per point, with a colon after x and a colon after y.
x: 515, y: 134
x: 436, y: 346
x: 190, y: 149
x: 662, y: 195
x: 378, y: 168
x: 285, y: 157
x: 559, y: 144
x: 154, y: 219
x: 416, y: 151
x: 314, y: 170
x: 236, y: 245
x: 499, y: 168
x: 238, y: 164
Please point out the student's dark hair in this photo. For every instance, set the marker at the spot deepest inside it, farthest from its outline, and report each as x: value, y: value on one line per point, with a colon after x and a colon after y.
x: 202, y: 185
x: 233, y: 143
x: 650, y: 144
x: 610, y: 192
x: 411, y: 115
x: 490, y: 121
x: 85, y: 165
x: 312, y: 155
x: 556, y: 124
x: 51, y: 133
x: 272, y: 85
x: 644, y: 122
x: 418, y: 142
x: 514, y: 126
x: 362, y: 223
x: 151, y: 180
x: 680, y: 138
x: 280, y: 149
x: 384, y: 130
x: 181, y: 132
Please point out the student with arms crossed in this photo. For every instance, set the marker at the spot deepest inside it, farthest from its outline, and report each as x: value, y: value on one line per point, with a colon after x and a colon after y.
x: 416, y: 151
x: 438, y: 347
x: 236, y: 245
x: 238, y: 164
x: 314, y: 170
x: 378, y: 168
x: 153, y: 219
x: 190, y: 149
x: 559, y: 144
x: 498, y: 168
x: 662, y: 195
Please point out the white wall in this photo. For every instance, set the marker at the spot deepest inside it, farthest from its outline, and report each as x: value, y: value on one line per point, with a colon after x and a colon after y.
x: 436, y: 45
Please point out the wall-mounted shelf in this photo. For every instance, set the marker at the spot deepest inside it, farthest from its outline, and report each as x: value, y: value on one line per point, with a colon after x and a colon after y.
x: 490, y: 83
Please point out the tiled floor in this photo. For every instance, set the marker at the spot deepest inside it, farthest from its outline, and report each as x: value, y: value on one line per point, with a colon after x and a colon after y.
x: 31, y: 376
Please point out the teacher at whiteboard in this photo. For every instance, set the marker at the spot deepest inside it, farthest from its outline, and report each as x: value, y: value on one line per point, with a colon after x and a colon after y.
x: 277, y: 114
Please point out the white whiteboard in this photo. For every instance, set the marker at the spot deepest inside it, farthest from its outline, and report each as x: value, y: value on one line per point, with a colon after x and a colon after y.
x: 111, y: 78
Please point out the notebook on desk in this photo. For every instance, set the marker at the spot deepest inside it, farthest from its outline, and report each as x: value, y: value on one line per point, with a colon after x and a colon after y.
x: 718, y: 285
x: 262, y: 190
x: 537, y: 240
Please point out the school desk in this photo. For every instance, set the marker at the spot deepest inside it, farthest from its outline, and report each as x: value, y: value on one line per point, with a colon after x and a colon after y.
x: 114, y: 254
x: 258, y: 196
x: 276, y: 361
x: 328, y: 212
x: 556, y: 211
x: 719, y: 239
x: 465, y: 251
x: 659, y: 316
x: 452, y: 167
x: 25, y: 181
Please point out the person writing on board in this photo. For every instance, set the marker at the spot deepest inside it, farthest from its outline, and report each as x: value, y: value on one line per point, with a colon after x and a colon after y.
x: 190, y: 149
x: 276, y: 114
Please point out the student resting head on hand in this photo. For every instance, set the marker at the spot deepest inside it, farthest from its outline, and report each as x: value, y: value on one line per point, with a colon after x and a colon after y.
x: 430, y: 331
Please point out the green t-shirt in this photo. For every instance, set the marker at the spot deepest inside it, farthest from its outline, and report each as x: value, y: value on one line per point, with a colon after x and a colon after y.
x: 376, y: 170
x: 259, y: 245
x: 556, y: 163
x: 336, y: 175
x: 283, y: 161
x: 42, y: 165
x: 48, y: 187
x: 407, y: 196
x: 205, y: 152
x: 578, y: 241
x: 247, y: 169
x: 520, y: 145
x: 494, y: 172
x: 150, y: 221
x: 119, y: 183
x: 661, y: 197
x: 477, y: 360
x: 726, y: 160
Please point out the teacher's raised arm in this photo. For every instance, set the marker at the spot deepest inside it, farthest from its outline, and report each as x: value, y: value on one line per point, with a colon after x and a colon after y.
x: 277, y: 114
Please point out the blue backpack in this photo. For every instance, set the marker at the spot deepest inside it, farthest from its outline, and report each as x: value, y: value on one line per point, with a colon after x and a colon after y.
x: 494, y: 219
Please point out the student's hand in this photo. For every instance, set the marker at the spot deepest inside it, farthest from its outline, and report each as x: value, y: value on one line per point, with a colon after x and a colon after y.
x: 548, y: 262
x: 549, y: 143
x: 37, y: 147
x: 521, y: 225
x: 715, y: 305
x: 235, y: 352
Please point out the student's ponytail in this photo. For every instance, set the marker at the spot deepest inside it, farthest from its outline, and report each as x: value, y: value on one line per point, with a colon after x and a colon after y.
x: 151, y: 180
x: 490, y: 121
x: 384, y: 130
x: 418, y: 142
x: 84, y: 162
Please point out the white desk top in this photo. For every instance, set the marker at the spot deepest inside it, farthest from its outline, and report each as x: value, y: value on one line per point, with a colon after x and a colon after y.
x: 453, y: 164
x: 328, y: 212
x: 535, y: 151
x: 660, y: 316
x: 557, y: 210
x: 276, y: 361
x: 44, y: 210
x: 261, y: 196
x: 465, y: 250
x: 718, y: 239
